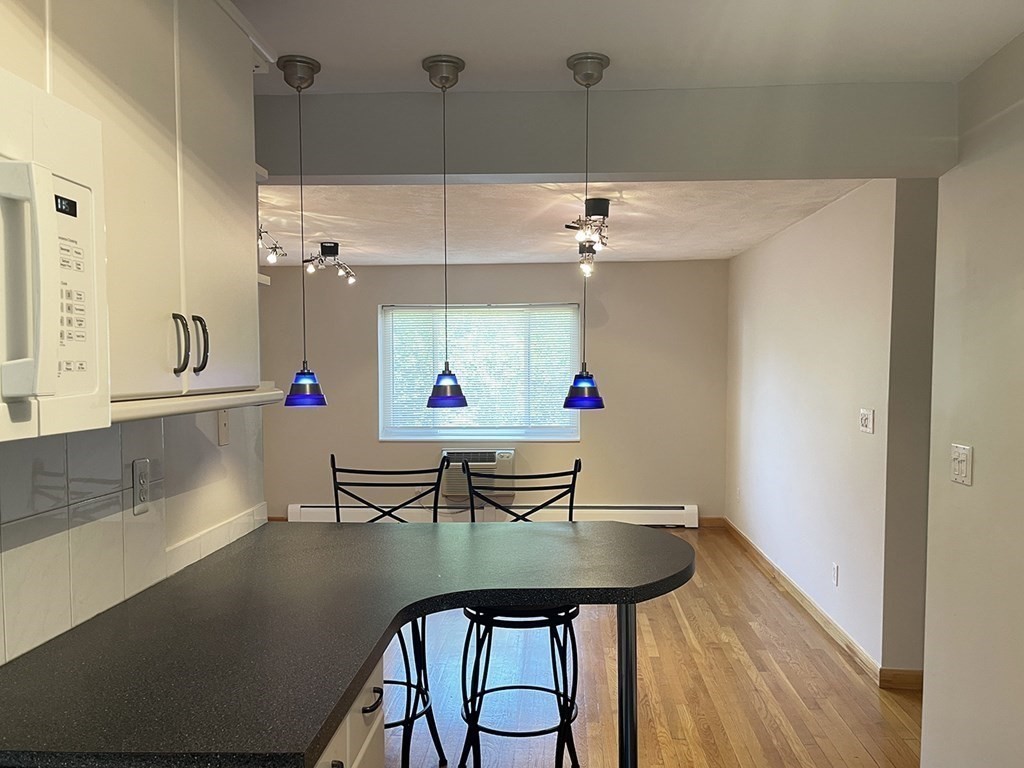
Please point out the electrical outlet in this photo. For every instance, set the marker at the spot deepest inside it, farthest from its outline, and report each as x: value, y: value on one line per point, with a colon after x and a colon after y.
x: 835, y: 575
x: 961, y: 464
x: 223, y: 431
x: 867, y: 420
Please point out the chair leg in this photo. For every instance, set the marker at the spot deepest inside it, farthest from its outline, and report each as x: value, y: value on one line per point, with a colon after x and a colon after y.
x: 419, y: 649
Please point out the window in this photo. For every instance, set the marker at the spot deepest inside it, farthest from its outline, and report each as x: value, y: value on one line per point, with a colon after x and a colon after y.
x: 514, y: 362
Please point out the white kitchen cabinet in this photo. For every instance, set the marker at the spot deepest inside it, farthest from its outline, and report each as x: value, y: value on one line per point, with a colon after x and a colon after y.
x: 171, y: 83
x: 23, y: 40
x: 359, y: 740
x: 218, y: 197
x: 115, y: 60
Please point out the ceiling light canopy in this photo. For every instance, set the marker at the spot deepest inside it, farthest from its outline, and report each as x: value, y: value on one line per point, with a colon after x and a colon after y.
x: 305, y: 391
x: 443, y: 71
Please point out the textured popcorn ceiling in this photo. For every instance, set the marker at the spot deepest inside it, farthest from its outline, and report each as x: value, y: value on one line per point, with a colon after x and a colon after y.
x: 521, y: 223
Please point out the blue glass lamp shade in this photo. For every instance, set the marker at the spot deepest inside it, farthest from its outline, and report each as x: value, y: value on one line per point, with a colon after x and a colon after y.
x: 446, y: 392
x: 305, y: 391
x: 583, y: 394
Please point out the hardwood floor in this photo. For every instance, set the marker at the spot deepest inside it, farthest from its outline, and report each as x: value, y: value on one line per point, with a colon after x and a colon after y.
x: 733, y: 673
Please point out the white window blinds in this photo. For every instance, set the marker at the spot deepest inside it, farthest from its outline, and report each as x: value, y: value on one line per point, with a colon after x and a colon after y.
x: 514, y: 362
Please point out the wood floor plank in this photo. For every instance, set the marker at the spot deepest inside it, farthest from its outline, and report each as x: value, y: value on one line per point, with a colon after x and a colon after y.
x: 733, y: 673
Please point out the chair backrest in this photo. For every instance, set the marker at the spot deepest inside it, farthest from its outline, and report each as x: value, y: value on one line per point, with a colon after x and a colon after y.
x: 555, y: 486
x: 427, y: 482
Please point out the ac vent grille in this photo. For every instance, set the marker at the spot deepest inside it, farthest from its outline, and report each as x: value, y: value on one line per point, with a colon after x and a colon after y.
x: 500, y: 462
x: 473, y: 457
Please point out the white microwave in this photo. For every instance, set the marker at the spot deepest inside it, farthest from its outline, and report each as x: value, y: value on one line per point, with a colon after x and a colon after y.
x: 54, y: 366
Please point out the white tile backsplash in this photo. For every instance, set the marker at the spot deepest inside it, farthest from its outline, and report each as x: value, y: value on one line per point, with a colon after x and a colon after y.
x: 70, y: 543
x: 97, y: 556
x: 94, y: 463
x: 33, y: 477
x: 145, y: 550
x: 36, y: 563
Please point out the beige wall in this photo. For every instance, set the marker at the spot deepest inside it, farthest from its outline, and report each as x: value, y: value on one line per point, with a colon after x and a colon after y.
x: 809, y: 316
x: 974, y: 674
x: 656, y: 343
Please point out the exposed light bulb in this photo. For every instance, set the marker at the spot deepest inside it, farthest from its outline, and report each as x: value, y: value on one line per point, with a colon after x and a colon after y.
x: 597, y: 245
x: 351, y: 279
x: 587, y: 268
x: 310, y: 268
x: 272, y: 257
x: 580, y: 235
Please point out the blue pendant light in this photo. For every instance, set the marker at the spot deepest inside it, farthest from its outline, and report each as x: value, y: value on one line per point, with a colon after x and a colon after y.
x: 305, y: 391
x: 583, y: 394
x: 587, y: 69
x: 444, y: 73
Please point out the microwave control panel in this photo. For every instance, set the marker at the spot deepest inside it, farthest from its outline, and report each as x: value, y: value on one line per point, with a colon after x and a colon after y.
x: 77, y: 357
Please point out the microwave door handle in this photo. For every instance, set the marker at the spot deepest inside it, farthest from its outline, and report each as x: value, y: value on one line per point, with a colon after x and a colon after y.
x: 36, y: 376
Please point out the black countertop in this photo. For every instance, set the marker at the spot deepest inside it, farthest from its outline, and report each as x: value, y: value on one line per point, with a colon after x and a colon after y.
x: 252, y: 656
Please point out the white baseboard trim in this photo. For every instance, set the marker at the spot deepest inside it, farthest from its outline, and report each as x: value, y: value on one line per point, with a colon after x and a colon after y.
x: 195, y: 548
x: 782, y: 579
x: 639, y: 514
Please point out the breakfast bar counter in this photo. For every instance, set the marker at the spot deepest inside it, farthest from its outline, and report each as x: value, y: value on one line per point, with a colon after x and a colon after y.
x: 252, y: 656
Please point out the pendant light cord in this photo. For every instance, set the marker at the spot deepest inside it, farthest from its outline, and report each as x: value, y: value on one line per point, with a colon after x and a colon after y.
x: 586, y: 194
x: 584, y: 355
x: 586, y: 154
x: 302, y: 235
x: 444, y: 208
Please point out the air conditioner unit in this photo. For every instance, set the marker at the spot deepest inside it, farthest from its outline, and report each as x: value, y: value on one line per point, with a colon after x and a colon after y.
x: 500, y: 462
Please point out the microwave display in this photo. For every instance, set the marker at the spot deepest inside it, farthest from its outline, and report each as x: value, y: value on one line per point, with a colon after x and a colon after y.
x: 66, y: 205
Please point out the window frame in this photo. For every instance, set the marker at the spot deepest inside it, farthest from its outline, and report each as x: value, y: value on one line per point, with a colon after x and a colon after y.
x: 465, y: 434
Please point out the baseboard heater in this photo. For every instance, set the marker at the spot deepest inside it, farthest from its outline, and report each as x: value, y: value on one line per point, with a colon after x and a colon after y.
x: 641, y: 514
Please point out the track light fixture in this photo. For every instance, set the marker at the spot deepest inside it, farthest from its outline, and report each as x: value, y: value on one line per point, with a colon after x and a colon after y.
x: 328, y: 257
x: 267, y: 242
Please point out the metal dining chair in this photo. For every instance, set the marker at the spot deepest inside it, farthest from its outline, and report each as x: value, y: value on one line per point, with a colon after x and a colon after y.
x: 485, y: 487
x: 421, y: 484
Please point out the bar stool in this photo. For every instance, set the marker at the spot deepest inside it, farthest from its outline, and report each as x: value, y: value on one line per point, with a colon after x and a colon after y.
x: 557, y: 621
x: 415, y: 683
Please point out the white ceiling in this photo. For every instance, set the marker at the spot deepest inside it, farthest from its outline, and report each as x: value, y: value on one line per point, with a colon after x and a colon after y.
x: 517, y: 223
x: 377, y: 45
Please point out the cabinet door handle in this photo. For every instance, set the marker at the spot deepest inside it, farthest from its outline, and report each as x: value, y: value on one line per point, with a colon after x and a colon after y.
x: 200, y: 322
x: 186, y: 351
x: 379, y: 692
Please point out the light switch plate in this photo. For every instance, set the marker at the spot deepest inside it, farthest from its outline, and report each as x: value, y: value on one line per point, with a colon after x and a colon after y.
x: 867, y: 420
x: 961, y: 464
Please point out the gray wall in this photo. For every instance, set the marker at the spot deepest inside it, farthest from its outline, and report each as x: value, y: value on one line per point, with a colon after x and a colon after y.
x: 787, y: 132
x: 975, y: 615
